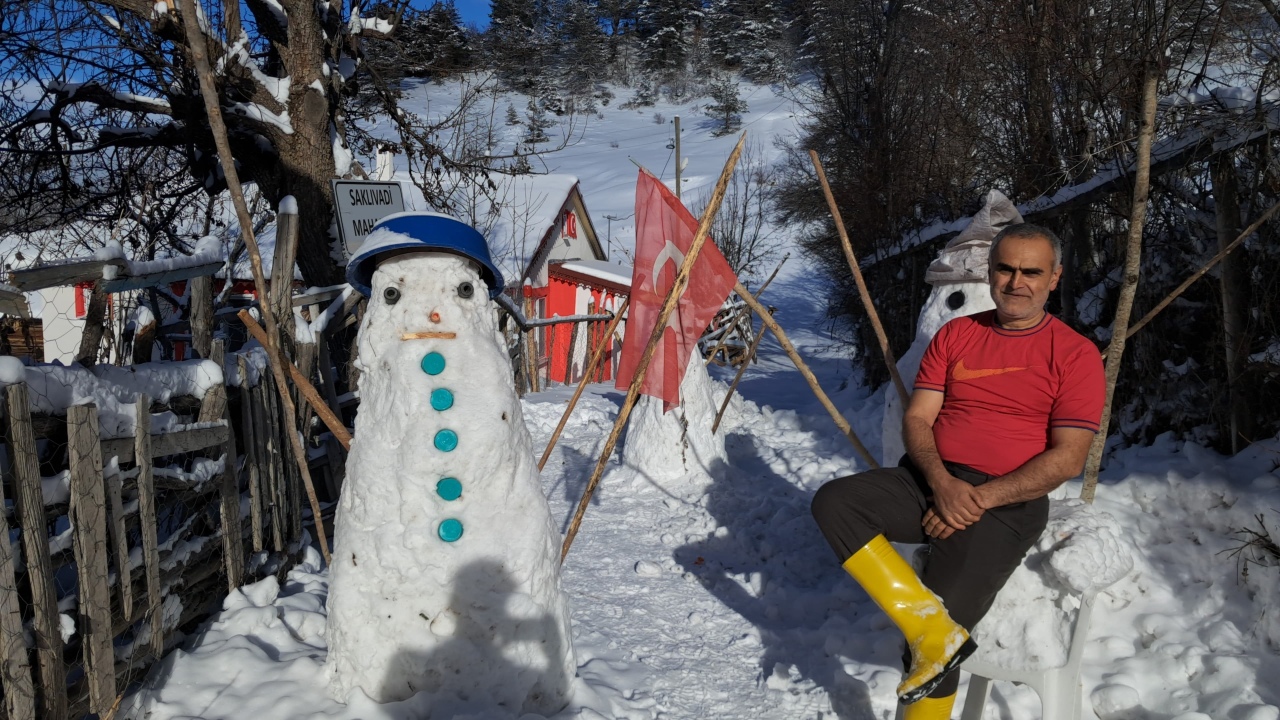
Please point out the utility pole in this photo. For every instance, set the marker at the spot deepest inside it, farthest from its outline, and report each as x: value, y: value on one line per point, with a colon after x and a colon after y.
x: 678, y: 168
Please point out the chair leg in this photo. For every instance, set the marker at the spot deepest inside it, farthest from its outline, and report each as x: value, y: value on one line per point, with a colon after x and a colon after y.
x: 976, y: 698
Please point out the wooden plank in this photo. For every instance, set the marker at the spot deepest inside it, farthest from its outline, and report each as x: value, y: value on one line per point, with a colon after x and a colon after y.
x: 320, y: 296
x: 200, y: 300
x: 252, y: 455
x: 305, y: 353
x: 232, y: 540
x: 90, y: 542
x: 170, y: 443
x: 58, y: 274
x: 147, y: 523
x: 280, y: 293
x: 24, y: 469
x: 15, y: 667
x: 291, y: 488
x: 214, y: 405
x: 328, y: 384
x: 270, y: 433
x: 137, y: 282
x: 120, y: 542
x: 568, y: 360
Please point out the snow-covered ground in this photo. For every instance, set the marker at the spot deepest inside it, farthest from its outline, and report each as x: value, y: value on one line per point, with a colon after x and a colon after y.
x: 714, y: 596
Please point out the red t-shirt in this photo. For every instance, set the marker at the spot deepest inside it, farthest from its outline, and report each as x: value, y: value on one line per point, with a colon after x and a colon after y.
x: 1005, y: 389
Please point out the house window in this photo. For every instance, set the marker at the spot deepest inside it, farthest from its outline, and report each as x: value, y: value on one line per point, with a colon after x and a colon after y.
x: 571, y: 224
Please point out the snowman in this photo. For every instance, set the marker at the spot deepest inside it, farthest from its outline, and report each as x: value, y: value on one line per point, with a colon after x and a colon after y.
x: 446, y: 573
x: 960, y: 287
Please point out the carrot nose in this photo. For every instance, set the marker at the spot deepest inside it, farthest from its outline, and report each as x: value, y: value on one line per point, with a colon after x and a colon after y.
x: 435, y: 316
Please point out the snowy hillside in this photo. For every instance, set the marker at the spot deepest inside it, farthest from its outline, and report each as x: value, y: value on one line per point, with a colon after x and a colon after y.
x: 714, y: 595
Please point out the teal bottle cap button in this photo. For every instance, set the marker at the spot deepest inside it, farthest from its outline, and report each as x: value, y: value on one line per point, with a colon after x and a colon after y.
x: 446, y: 440
x: 449, y: 489
x: 450, y: 530
x: 433, y: 363
x: 441, y: 399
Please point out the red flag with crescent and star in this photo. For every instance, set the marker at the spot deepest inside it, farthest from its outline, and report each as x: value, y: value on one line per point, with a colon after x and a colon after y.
x: 664, y: 233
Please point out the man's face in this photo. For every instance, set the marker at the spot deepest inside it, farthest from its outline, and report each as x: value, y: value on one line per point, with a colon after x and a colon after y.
x: 1022, y: 276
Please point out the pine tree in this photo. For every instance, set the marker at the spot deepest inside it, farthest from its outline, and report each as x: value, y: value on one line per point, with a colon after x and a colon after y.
x: 750, y: 36
x: 581, y: 50
x: 536, y: 123
x: 664, y: 27
x: 727, y: 107
x: 516, y: 42
x: 434, y: 42
x: 513, y: 118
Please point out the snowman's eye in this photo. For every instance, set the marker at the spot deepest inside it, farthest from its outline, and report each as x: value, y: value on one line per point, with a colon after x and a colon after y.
x: 466, y: 290
x: 955, y: 300
x: 391, y: 295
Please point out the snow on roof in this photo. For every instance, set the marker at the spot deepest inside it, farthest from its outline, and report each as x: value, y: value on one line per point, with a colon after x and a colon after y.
x: 620, y: 274
x: 516, y: 216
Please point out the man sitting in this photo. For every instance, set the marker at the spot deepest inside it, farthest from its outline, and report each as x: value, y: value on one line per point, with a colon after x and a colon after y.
x: 1006, y: 404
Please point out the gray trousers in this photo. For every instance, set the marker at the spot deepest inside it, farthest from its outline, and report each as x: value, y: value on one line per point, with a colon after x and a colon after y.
x: 966, y: 570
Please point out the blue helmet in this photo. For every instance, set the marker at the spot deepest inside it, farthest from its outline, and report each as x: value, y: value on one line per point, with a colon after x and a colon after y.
x: 425, y: 231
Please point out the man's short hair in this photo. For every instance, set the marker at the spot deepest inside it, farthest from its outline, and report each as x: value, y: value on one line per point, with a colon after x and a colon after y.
x: 1028, y: 230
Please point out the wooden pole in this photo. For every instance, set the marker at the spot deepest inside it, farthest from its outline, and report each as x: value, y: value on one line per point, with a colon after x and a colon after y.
x: 531, y: 349
x: 870, y: 306
x: 147, y: 522
x: 15, y: 667
x: 763, y: 287
x: 200, y: 301
x: 746, y: 362
x: 1129, y: 288
x: 655, y: 337
x: 790, y: 349
x: 209, y: 91
x: 568, y: 356
x: 309, y: 392
x: 1201, y: 272
x: 586, y: 378
x: 88, y: 503
x: 28, y: 505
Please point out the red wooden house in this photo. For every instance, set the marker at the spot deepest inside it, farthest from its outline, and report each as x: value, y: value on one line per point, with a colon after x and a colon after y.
x: 568, y: 273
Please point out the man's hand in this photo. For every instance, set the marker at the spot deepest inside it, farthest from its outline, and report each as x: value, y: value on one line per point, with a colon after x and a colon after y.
x: 934, y: 527
x: 956, y: 503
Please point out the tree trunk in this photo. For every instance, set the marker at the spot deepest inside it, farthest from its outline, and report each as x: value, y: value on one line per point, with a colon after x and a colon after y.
x: 1231, y: 281
x: 95, y: 319
x: 1132, y: 266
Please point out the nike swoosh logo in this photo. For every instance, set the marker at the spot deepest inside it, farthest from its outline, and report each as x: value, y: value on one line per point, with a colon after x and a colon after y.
x: 960, y: 372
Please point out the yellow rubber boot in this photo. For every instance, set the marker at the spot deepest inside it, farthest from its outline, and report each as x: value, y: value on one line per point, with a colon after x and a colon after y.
x: 938, y: 644
x: 930, y: 709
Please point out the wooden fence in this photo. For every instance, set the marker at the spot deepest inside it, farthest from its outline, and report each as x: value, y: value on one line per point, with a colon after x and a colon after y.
x: 151, y: 537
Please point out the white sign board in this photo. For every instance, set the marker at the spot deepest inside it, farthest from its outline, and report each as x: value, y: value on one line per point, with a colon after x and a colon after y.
x: 362, y: 203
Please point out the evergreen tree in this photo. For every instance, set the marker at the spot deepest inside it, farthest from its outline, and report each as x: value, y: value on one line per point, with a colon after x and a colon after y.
x: 517, y: 43
x: 434, y: 42
x: 726, y: 106
x: 750, y: 36
x: 581, y: 50
x: 536, y: 123
x: 665, y: 27
x: 513, y: 118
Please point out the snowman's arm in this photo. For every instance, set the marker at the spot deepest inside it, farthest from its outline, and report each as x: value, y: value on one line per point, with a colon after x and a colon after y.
x: 526, y: 324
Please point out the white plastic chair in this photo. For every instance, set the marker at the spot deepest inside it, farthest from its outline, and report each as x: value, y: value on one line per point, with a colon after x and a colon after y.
x: 1058, y: 688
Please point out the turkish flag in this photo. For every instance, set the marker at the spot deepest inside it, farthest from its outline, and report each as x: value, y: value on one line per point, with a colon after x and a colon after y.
x: 664, y: 233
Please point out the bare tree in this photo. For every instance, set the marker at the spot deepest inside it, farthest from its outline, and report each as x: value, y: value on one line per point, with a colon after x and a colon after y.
x: 742, y: 229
